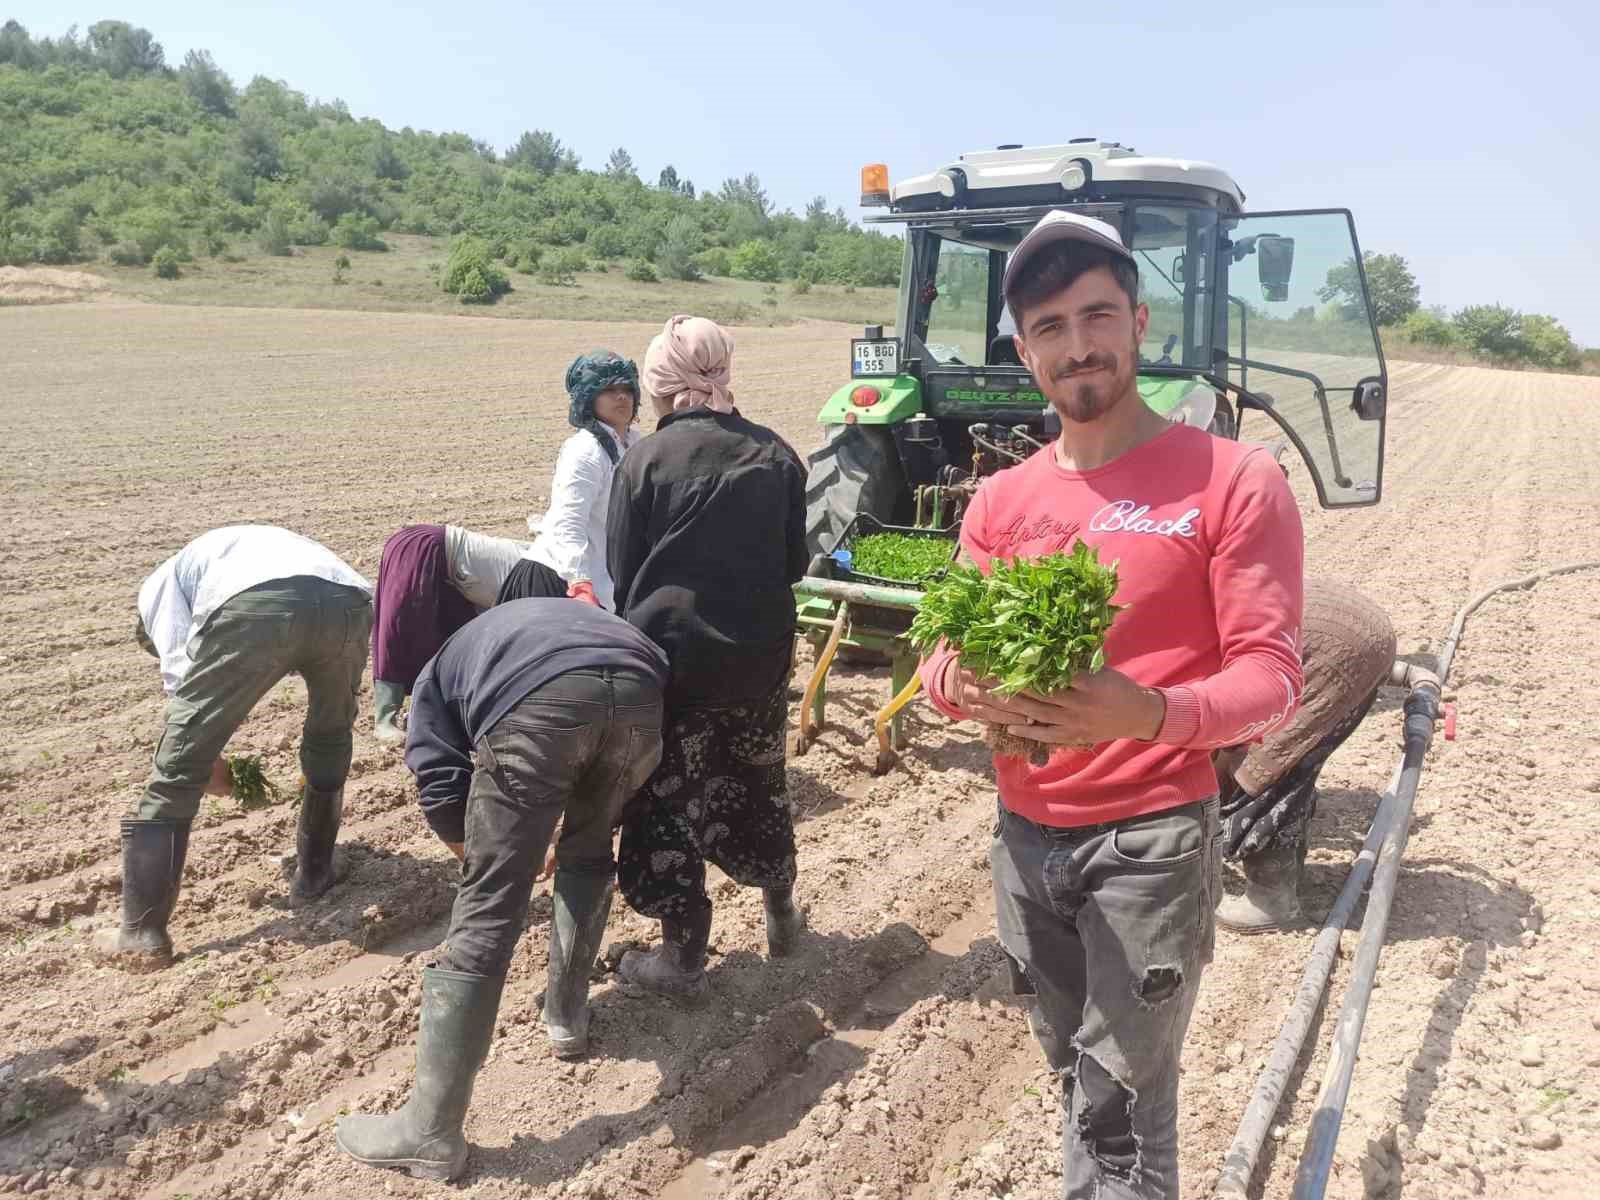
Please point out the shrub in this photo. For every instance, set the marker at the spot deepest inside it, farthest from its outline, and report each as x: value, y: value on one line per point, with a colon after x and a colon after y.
x: 308, y: 230
x: 128, y: 254
x: 607, y: 241
x: 757, y: 259
x: 471, y: 273
x: 356, y: 232
x: 274, y: 237
x: 1428, y: 329
x: 524, y: 257
x: 716, y: 261
x: 802, y: 285
x: 679, y: 247
x: 641, y: 272
x: 559, y: 267
x: 166, y: 263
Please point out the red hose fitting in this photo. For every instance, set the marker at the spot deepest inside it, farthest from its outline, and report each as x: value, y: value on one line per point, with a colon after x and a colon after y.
x: 1450, y: 722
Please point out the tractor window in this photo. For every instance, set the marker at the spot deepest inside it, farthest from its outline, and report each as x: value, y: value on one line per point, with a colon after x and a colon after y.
x: 1172, y: 247
x: 1301, y: 336
x: 958, y: 319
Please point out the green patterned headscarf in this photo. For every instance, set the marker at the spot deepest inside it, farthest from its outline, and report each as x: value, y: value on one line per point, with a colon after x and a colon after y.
x: 588, y: 376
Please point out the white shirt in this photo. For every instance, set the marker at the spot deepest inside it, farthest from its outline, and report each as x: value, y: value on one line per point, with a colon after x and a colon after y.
x: 479, y: 563
x: 178, y: 598
x: 571, y: 536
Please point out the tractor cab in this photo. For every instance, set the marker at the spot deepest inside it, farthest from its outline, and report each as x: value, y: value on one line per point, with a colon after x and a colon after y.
x: 1260, y: 326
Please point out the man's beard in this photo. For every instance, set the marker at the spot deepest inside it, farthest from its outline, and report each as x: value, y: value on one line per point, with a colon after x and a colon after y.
x: 1097, y: 393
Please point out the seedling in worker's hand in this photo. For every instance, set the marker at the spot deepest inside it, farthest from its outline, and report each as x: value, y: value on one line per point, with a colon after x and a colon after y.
x: 1030, y: 625
x: 251, y: 787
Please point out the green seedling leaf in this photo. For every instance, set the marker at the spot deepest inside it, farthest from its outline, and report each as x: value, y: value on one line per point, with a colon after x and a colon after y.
x: 251, y: 787
x: 1032, y: 624
x: 900, y: 556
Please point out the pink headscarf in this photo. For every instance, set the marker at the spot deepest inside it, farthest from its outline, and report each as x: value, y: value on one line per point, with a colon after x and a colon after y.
x: 689, y: 362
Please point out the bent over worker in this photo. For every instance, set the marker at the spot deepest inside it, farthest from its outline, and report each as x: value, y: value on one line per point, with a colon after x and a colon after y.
x: 1105, y: 859
x: 432, y: 580
x: 538, y: 710
x: 229, y: 616
x: 1269, y: 789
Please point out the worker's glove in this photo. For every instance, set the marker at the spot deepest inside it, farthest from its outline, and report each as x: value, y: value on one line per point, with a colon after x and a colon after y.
x: 583, y: 590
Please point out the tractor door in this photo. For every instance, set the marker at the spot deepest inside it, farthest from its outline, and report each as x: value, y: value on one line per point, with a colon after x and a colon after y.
x: 1302, y: 345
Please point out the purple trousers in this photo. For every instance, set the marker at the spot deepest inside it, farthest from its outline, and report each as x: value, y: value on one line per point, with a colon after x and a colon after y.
x: 415, y: 607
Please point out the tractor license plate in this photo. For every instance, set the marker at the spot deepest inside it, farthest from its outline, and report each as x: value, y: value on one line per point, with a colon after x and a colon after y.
x: 879, y: 356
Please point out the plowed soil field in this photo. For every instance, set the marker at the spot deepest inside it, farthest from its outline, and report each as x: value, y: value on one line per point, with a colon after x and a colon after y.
x: 886, y: 1061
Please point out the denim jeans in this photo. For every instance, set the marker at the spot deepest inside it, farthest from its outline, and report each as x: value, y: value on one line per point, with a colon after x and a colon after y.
x: 1111, y: 926
x: 580, y: 745
x: 303, y: 625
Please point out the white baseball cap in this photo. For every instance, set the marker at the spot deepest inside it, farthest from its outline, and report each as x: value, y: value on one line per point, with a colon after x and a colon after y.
x: 1060, y: 227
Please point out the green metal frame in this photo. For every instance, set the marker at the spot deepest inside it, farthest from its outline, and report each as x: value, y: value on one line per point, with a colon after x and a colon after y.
x: 902, y: 399
x: 818, y: 608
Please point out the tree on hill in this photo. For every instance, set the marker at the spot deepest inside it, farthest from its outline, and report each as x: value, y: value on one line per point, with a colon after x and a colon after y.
x: 108, y: 153
x: 541, y: 152
x: 620, y: 165
x: 1390, y: 284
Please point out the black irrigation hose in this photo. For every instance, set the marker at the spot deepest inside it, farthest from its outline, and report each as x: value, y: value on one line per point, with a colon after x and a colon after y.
x: 1391, y: 828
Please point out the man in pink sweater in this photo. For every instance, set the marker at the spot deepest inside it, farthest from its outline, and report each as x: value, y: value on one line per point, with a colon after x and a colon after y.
x: 1105, y: 860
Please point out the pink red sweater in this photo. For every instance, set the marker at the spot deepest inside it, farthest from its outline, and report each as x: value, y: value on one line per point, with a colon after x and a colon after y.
x: 1210, y: 548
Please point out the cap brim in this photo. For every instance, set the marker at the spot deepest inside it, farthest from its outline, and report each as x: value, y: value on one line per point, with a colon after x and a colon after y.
x: 1051, y: 235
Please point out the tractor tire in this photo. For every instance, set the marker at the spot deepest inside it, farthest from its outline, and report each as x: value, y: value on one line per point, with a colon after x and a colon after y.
x: 856, y: 469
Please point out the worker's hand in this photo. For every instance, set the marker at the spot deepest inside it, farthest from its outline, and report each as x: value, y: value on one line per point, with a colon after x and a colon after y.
x: 583, y: 590
x: 977, y: 698
x: 221, y: 781
x: 549, y: 867
x: 1098, y: 707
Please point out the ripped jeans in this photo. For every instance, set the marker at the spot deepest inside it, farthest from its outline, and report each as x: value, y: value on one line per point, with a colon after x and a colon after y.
x: 1111, y: 926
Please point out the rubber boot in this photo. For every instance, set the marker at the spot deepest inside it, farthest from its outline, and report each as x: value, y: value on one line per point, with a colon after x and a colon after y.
x: 424, y: 1137
x: 785, y: 921
x: 678, y: 966
x: 320, y: 812
x: 152, y: 870
x: 386, y: 701
x: 582, y: 902
x: 1271, y: 897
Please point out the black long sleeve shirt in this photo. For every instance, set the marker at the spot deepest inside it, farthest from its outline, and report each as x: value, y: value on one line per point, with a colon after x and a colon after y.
x: 706, y: 535
x: 486, y: 669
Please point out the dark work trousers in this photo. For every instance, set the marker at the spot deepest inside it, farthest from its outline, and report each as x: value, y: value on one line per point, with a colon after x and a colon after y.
x: 720, y: 793
x: 1281, y: 814
x: 300, y: 625
x: 580, y: 746
x: 1112, y: 925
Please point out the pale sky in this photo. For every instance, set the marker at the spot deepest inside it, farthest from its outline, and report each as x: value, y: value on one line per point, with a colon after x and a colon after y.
x: 1463, y: 137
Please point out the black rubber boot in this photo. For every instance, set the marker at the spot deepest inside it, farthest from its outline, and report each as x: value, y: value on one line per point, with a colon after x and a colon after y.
x: 386, y: 701
x: 1271, y: 897
x: 785, y: 921
x: 152, y: 870
x: 320, y: 813
x: 582, y: 902
x: 425, y: 1137
x: 678, y: 966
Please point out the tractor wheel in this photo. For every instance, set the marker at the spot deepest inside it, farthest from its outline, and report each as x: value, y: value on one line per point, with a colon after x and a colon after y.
x: 857, y: 469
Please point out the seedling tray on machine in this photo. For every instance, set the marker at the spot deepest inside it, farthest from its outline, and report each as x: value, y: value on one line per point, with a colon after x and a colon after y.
x: 866, y: 525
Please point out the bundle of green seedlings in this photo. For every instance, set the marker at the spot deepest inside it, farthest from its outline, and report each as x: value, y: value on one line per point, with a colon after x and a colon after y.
x: 1029, y: 625
x: 901, y: 556
x: 251, y: 787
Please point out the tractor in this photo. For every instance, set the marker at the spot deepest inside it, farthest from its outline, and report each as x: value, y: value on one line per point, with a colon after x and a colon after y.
x: 943, y: 400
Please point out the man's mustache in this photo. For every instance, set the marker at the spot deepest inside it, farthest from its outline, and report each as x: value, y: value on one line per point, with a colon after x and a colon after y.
x: 1095, y: 362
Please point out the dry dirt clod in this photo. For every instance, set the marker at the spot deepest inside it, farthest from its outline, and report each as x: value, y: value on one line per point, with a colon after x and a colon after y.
x: 1531, y: 1053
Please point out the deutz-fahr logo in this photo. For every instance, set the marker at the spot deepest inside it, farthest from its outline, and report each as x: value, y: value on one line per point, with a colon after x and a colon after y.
x: 969, y: 396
